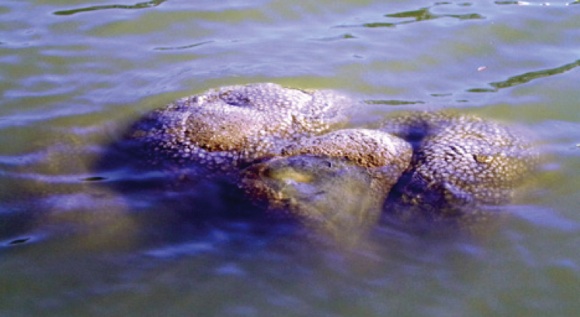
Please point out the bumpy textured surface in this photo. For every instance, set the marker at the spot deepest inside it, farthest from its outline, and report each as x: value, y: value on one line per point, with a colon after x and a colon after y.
x: 329, y: 195
x: 384, y: 155
x: 459, y: 162
x: 232, y: 126
x: 285, y: 147
x: 336, y: 182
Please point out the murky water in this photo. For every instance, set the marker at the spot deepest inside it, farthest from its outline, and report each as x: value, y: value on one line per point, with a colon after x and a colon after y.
x: 73, y: 75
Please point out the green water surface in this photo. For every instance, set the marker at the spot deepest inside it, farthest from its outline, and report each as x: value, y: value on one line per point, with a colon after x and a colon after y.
x: 74, y: 74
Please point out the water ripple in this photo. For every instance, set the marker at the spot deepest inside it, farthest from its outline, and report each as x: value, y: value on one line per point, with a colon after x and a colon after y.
x: 413, y: 16
x: 184, y: 47
x: 73, y: 74
x: 546, y: 4
x: 527, y: 77
x: 140, y: 5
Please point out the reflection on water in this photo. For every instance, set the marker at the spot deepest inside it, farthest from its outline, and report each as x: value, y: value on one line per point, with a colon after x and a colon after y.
x: 140, y: 5
x: 526, y: 3
x: 423, y: 14
x: 393, y: 102
x: 184, y: 47
x: 118, y: 241
x: 527, y: 77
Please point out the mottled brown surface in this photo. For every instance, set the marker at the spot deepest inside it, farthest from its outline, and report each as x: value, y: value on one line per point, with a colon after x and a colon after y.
x: 336, y: 182
x: 235, y: 125
x: 384, y: 155
x: 461, y: 165
x: 286, y: 147
x: 329, y: 195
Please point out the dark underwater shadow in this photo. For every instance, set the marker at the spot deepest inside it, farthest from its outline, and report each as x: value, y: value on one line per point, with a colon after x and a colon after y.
x: 180, y: 203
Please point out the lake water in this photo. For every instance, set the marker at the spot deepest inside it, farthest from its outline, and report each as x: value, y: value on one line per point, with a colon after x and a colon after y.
x: 75, y: 73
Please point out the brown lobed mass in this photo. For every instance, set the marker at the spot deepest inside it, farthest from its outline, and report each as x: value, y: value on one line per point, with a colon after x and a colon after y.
x: 226, y: 128
x: 336, y: 182
x: 285, y: 147
x: 385, y: 156
x: 460, y: 164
